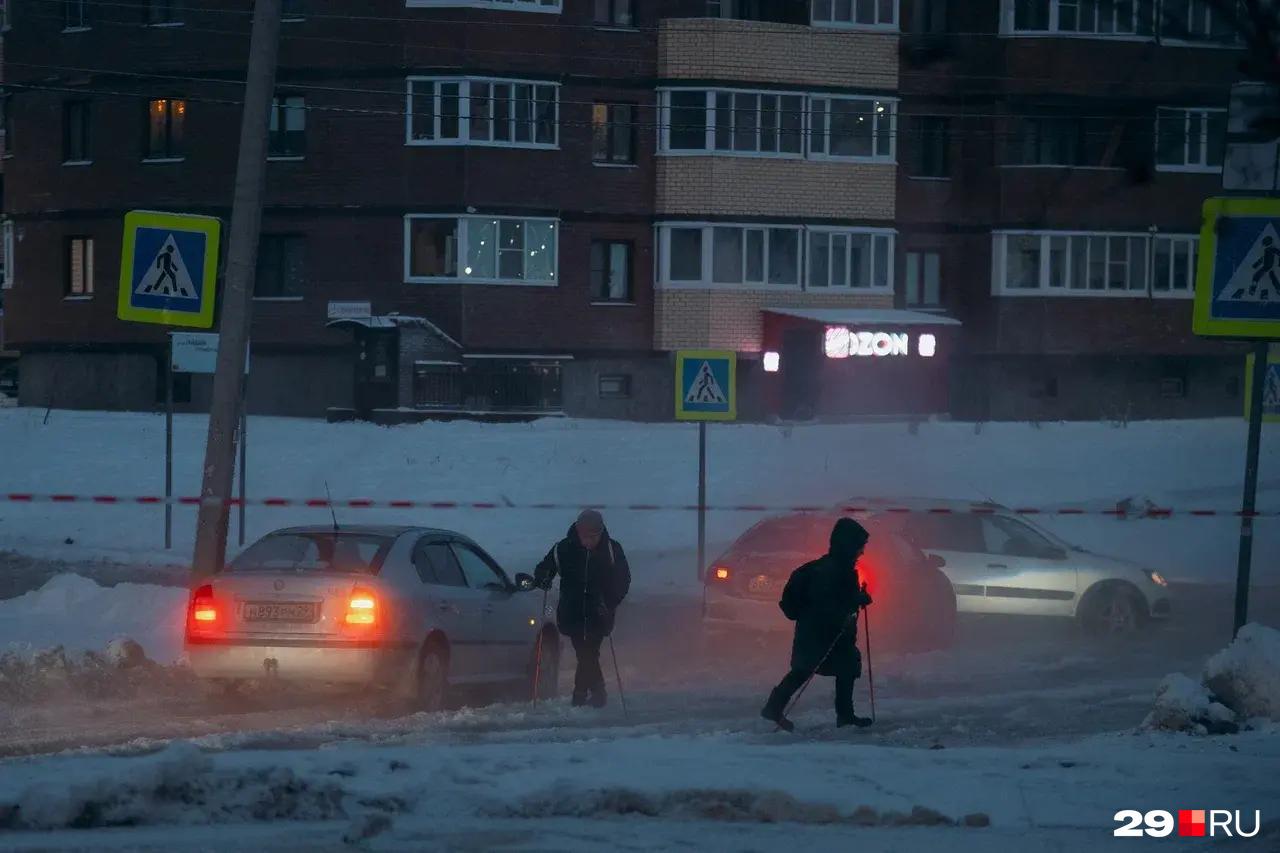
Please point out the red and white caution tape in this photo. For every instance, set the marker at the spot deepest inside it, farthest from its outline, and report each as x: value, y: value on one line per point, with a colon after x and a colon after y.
x: 850, y: 509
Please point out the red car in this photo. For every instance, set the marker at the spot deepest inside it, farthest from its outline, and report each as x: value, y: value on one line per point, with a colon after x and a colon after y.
x: 915, y: 606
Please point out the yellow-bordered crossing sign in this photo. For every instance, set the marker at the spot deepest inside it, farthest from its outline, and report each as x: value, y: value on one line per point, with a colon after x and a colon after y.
x: 169, y: 269
x: 1238, y: 272
x: 706, y: 385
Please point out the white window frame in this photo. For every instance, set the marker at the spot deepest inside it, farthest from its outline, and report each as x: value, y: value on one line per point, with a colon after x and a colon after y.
x: 461, y: 251
x: 1203, y: 167
x: 709, y: 114
x: 815, y: 133
x: 464, y: 112
x: 999, y: 260
x: 1192, y: 243
x: 871, y: 287
x: 9, y: 245
x: 1008, y: 24
x: 1235, y: 43
x: 549, y: 7
x: 878, y: 26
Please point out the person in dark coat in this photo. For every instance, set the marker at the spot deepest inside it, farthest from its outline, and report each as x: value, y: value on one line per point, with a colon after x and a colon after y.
x: 823, y: 598
x: 594, y: 579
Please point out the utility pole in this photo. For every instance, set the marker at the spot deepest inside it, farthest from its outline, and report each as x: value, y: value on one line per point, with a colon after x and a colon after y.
x: 242, y: 256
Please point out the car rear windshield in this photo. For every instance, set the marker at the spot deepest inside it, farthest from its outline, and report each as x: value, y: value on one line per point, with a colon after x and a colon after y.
x: 325, y: 551
x: 798, y: 534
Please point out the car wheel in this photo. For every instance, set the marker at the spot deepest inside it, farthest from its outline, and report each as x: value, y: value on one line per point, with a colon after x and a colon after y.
x: 1114, y: 613
x: 544, y: 675
x: 433, y: 679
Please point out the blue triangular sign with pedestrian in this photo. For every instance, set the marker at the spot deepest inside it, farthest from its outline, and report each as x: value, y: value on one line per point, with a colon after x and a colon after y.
x: 167, y: 274
x: 1257, y: 277
x: 705, y: 388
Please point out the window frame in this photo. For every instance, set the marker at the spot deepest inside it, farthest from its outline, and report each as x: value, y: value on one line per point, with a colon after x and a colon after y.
x: 280, y: 109
x: 813, y: 134
x: 10, y: 246
x: 612, y: 23
x: 86, y: 22
x: 921, y: 265
x: 87, y: 289
x: 611, y: 128
x: 86, y: 137
x: 1053, y: 25
x: 1234, y: 43
x: 458, y: 547
x: 879, y: 26
x: 171, y: 7
x: 873, y: 234
x: 1043, y: 288
x: 464, y: 112
x: 1203, y: 167
x: 555, y: 7
x: 915, y: 162
x: 149, y: 156
x: 598, y: 297
x: 1192, y: 244
x: 460, y: 242
x: 710, y: 113
x: 624, y: 383
x: 286, y: 238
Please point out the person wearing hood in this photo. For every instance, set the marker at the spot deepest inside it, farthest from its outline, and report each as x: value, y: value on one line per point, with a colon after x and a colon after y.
x: 823, y: 598
x: 594, y: 579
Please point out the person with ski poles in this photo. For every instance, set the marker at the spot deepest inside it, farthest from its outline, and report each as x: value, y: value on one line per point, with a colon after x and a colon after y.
x: 823, y: 598
x: 594, y: 580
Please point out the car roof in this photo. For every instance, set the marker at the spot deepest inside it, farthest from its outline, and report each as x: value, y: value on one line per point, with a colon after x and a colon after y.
x: 922, y: 503
x: 391, y: 530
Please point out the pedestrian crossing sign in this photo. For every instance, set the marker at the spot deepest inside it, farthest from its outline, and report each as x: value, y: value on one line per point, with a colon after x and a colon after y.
x: 168, y: 269
x: 706, y: 385
x: 1270, y: 388
x: 1238, y: 271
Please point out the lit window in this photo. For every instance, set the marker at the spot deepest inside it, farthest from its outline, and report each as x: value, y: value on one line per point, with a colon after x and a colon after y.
x: 166, y: 120
x: 79, y: 266
x: 482, y: 249
x: 613, y: 132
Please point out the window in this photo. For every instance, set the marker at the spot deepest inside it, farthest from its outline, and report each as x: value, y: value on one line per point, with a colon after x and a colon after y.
x: 320, y: 552
x: 615, y: 387
x: 75, y: 132
x: 163, y: 13
x: 291, y: 11
x: 480, y: 574
x: 1107, y: 18
x: 552, y: 6
x: 923, y: 279
x: 857, y: 259
x: 281, y: 271
x: 288, y: 138
x: 6, y: 104
x: 930, y: 144
x: 852, y: 127
x: 1197, y: 20
x: 746, y: 122
x: 1002, y: 535
x: 79, y: 266
x: 856, y: 13
x: 962, y: 533
x: 165, y: 123
x: 614, y: 13
x: 929, y: 17
x: 7, y: 229
x: 610, y: 271
x: 1190, y: 140
x: 1072, y: 264
x: 775, y: 11
x: 684, y: 254
x: 483, y: 112
x: 1064, y: 141
x: 492, y: 250
x: 436, y: 564
x: 613, y: 133
x: 1173, y: 270
x: 75, y: 15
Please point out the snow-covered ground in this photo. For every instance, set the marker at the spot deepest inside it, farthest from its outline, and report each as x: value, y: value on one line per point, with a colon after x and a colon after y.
x: 1191, y: 464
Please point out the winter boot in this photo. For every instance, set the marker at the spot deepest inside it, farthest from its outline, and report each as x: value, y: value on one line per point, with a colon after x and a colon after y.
x: 579, y: 698
x: 852, y: 719
x: 774, y: 709
x: 599, y: 698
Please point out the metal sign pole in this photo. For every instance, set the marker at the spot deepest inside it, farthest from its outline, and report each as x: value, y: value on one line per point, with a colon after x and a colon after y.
x: 1258, y: 379
x: 702, y: 499
x: 168, y: 446
x: 244, y: 451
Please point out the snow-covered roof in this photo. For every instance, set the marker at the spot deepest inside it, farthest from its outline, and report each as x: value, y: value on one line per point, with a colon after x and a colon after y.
x: 867, y: 316
x: 385, y: 321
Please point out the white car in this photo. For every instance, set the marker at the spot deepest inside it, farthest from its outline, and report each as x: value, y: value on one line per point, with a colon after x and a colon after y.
x: 999, y: 562
x: 411, y: 609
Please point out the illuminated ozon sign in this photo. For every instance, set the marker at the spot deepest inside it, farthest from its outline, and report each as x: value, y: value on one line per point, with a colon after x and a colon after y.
x: 841, y: 342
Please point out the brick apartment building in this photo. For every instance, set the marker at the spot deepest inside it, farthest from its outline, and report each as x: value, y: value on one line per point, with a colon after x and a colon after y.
x: 523, y: 206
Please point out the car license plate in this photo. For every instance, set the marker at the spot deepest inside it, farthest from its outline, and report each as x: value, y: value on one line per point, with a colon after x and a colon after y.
x: 287, y: 612
x: 760, y: 584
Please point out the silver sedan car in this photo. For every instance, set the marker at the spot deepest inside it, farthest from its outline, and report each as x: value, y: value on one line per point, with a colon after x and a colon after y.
x: 999, y: 562
x: 411, y: 609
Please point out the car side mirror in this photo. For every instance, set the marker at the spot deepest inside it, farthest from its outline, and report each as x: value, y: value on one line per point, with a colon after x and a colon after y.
x: 524, y: 582
x: 937, y: 561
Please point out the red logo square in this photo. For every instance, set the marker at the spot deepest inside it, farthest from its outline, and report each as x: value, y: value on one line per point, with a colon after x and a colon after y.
x: 1191, y: 822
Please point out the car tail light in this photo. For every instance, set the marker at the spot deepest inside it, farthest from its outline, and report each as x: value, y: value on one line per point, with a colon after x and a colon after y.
x: 203, y: 613
x: 721, y: 573
x: 362, y: 609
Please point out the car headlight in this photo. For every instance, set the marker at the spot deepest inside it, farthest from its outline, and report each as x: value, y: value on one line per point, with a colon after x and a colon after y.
x: 1156, y: 577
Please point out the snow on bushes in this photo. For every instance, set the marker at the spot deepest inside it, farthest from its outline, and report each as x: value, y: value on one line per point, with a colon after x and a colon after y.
x: 1183, y: 704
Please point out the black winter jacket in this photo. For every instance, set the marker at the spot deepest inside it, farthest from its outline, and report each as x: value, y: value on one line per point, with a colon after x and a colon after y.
x: 592, y: 583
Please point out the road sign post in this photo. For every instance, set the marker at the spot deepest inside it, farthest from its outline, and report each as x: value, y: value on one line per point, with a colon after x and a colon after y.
x: 1238, y: 296
x: 706, y: 385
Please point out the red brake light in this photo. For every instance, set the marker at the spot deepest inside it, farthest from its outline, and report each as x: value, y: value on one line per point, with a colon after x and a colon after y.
x: 204, y: 609
x: 721, y: 573
x: 362, y: 608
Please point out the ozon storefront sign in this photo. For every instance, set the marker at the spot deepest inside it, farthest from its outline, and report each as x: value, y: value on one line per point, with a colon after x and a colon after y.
x: 841, y: 342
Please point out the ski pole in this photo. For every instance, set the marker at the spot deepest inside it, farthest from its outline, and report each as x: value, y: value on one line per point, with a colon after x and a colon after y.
x: 537, y: 657
x: 617, y: 673
x: 871, y: 678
